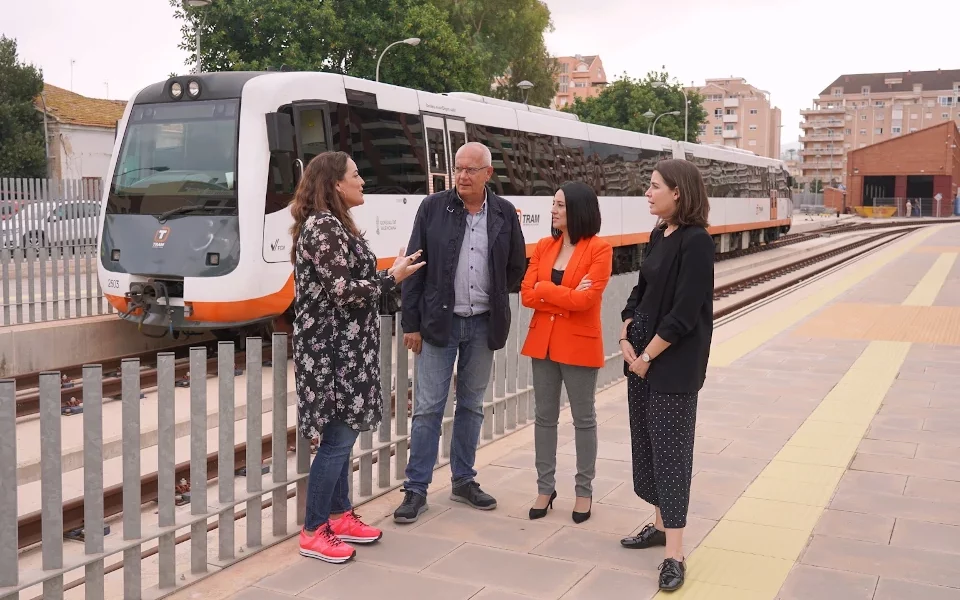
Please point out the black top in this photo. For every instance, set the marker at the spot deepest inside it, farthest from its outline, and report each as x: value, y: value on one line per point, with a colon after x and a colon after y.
x: 660, y: 252
x: 675, y: 292
x: 556, y: 276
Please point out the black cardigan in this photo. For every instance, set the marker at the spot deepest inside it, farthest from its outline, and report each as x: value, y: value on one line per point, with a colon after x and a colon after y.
x: 680, y: 308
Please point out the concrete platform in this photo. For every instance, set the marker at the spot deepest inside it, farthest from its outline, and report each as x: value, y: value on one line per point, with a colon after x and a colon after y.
x: 827, y: 465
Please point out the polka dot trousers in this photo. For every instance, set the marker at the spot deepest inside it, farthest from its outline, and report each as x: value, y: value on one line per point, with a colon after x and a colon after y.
x: 662, y: 429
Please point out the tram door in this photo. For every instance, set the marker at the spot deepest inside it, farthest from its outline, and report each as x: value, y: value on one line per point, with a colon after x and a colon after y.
x: 772, y: 181
x: 444, y: 138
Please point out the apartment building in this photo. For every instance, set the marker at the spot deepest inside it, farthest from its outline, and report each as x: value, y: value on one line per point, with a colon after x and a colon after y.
x: 856, y: 111
x: 739, y: 115
x: 578, y: 77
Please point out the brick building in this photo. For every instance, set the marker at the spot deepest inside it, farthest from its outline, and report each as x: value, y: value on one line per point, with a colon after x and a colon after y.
x: 739, y: 115
x: 855, y: 111
x: 915, y: 166
x: 579, y: 77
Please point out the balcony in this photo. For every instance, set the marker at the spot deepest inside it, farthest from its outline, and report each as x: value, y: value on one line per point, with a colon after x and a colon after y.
x: 821, y: 137
x: 809, y: 112
x: 730, y: 118
x: 821, y: 123
x: 835, y: 151
x: 731, y: 102
x: 822, y: 165
x: 730, y: 134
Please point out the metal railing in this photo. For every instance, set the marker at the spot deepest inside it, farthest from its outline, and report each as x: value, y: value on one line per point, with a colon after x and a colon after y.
x: 919, y: 207
x: 379, y: 459
x: 48, y: 250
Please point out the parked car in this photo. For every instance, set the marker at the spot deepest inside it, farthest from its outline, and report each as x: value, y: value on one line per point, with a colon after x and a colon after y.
x: 48, y: 224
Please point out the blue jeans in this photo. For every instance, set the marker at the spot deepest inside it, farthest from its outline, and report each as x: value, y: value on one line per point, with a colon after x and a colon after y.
x: 328, y: 488
x: 468, y: 337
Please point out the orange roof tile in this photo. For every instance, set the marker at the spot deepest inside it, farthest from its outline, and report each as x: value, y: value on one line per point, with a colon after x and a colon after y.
x: 73, y: 109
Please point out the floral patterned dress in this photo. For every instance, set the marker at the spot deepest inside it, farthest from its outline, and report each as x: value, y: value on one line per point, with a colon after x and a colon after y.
x: 336, y: 332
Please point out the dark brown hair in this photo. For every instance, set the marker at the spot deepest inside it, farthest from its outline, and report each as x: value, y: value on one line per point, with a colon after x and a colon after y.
x: 317, y: 191
x: 583, y: 212
x: 693, y: 207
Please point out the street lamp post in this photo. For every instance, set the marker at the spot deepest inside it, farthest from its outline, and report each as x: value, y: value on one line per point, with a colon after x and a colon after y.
x: 648, y: 115
x: 408, y: 41
x: 686, y: 107
x: 653, y: 126
x: 525, y: 86
x: 199, y: 4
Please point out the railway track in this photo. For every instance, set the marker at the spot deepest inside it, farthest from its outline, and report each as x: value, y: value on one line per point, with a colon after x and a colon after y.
x: 29, y: 526
x: 844, y: 253
x: 28, y: 387
x: 845, y: 228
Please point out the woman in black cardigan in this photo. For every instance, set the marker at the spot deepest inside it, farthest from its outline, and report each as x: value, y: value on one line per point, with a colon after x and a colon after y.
x: 667, y: 328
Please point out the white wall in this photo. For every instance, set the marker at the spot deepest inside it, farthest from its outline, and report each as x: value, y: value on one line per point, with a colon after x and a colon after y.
x: 84, y: 151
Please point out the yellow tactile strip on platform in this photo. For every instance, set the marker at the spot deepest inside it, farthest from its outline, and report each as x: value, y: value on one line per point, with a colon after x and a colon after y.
x: 926, y: 291
x: 917, y: 324
x: 752, y: 549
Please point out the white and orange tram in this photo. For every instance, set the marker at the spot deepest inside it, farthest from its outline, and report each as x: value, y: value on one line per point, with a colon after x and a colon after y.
x: 194, y: 232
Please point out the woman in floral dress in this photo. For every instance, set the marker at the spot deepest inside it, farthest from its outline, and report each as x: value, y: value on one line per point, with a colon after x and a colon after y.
x: 336, y: 345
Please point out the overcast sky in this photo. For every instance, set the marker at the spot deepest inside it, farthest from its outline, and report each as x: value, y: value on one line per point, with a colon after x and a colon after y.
x: 790, y: 48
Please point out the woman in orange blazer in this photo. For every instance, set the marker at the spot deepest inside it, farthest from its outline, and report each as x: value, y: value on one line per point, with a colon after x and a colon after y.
x: 564, y: 285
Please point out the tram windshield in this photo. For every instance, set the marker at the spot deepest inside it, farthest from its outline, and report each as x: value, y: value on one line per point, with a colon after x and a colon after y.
x: 177, y: 155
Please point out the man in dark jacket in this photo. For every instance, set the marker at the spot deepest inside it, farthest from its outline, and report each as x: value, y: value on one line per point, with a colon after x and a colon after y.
x: 457, y: 305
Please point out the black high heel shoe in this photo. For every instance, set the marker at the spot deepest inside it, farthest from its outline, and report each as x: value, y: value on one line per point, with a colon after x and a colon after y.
x: 580, y: 517
x: 539, y: 513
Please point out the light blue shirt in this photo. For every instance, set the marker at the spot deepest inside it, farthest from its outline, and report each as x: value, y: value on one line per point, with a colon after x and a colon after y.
x: 472, y: 281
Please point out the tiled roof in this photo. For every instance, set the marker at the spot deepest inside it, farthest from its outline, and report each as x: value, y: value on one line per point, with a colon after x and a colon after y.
x: 73, y: 109
x: 931, y: 80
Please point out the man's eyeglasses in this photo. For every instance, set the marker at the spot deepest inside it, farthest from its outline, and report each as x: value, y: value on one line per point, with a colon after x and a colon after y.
x: 471, y: 171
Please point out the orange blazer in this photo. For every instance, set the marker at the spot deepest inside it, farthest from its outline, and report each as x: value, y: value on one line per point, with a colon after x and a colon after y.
x: 566, y: 323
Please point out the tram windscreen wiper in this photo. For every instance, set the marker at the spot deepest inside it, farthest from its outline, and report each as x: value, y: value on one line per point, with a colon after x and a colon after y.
x: 189, y: 208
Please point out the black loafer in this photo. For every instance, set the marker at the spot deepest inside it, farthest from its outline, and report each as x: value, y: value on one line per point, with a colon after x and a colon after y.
x: 671, y: 574
x: 648, y: 537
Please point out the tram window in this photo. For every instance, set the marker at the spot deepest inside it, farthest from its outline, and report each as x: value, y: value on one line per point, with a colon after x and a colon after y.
x: 542, y: 157
x: 509, y: 168
x: 313, y: 139
x: 457, y: 139
x: 388, y: 148
x: 279, y: 183
x: 437, y: 150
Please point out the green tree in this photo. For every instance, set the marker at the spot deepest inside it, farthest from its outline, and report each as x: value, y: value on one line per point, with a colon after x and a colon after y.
x: 464, y: 43
x: 337, y: 36
x: 624, y: 103
x: 22, y: 151
x: 540, y: 69
x: 507, y: 39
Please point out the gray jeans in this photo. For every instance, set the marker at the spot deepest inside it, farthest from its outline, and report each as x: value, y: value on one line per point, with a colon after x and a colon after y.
x: 581, y: 384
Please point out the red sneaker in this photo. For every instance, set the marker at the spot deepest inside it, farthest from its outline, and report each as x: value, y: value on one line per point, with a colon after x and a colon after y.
x: 325, y: 545
x: 350, y: 528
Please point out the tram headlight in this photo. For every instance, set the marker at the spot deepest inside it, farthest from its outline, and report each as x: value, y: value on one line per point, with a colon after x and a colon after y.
x: 176, y: 90
x: 193, y: 88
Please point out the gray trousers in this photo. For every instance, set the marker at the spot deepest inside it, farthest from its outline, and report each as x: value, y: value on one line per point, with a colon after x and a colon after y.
x: 581, y: 384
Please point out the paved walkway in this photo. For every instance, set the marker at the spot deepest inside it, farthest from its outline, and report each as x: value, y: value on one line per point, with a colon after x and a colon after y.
x: 827, y: 466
